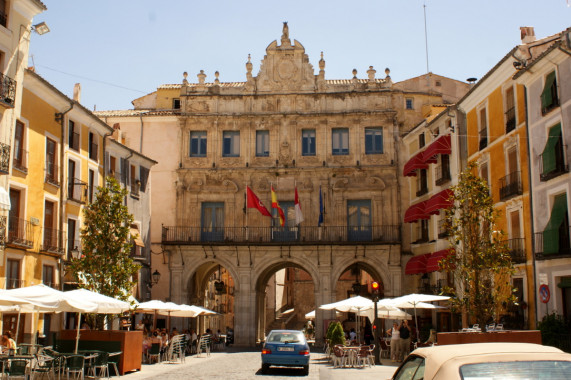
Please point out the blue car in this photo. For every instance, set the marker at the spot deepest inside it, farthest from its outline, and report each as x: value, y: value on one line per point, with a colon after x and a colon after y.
x: 285, y: 348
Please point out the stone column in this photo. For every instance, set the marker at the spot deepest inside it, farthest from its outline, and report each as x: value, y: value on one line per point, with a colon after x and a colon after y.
x: 244, y: 309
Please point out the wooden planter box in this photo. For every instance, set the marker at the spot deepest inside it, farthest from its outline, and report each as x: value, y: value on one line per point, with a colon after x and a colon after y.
x: 130, y: 343
x: 517, y: 336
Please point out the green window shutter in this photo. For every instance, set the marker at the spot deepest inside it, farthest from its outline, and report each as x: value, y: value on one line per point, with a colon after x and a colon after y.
x: 546, y: 97
x: 548, y: 156
x: 564, y: 282
x: 551, y: 232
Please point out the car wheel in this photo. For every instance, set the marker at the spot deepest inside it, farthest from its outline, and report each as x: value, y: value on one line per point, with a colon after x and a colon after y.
x: 265, y: 368
x: 306, y: 370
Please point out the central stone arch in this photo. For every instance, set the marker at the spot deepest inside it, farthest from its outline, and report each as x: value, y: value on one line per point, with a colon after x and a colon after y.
x: 264, y: 274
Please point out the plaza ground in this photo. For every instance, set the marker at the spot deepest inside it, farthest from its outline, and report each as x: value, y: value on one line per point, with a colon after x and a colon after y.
x: 243, y: 364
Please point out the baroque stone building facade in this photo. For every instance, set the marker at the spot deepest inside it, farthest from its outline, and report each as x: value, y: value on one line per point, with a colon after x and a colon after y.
x: 335, y: 141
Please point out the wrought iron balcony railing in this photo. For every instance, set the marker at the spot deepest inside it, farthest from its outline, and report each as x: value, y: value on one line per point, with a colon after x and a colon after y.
x: 93, y: 150
x: 77, y: 190
x: 510, y: 185
x: 14, y: 283
x: 442, y: 175
x: 51, y: 241
x: 135, y: 186
x: 4, y: 158
x: 483, y: 138
x: 20, y: 160
x: 20, y: 233
x: 561, y: 166
x: 510, y: 120
x: 517, y: 250
x: 7, y: 90
x: 442, y: 231
x: 563, y: 245
x: 52, y: 174
x: 74, y: 141
x: 280, y: 235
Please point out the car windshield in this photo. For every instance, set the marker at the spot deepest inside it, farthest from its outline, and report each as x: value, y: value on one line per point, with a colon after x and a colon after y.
x: 517, y: 370
x: 412, y: 369
x: 285, y: 337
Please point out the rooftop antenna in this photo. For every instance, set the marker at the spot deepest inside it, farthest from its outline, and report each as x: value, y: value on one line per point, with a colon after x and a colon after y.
x: 426, y: 44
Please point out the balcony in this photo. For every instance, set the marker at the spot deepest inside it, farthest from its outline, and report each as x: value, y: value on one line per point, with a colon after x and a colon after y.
x: 115, y: 174
x: 423, y: 190
x: 50, y: 244
x: 135, y: 186
x: 516, y: 248
x: 77, y: 190
x: 510, y: 186
x: 3, y: 220
x: 74, y: 141
x: 483, y: 138
x: 442, y: 231
x: 434, y: 289
x: 510, y: 120
x: 20, y: 160
x: 560, y: 166
x: 52, y: 174
x: 4, y: 158
x: 304, y: 235
x: 93, y: 149
x: 7, y: 91
x: 14, y: 283
x: 19, y: 233
x: 442, y: 175
x: 564, y: 245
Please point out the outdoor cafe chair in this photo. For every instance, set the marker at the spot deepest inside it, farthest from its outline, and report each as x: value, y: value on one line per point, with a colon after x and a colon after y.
x: 154, y: 352
x: 101, y: 363
x: 45, y: 365
x: 203, y: 345
x: 339, y: 356
x: 17, y: 368
x: 75, y: 365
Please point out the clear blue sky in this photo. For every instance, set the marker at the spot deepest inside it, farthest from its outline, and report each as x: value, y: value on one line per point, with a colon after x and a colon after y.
x: 120, y: 50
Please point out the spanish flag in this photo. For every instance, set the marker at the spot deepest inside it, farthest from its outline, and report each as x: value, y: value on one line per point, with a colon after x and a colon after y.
x: 276, y: 205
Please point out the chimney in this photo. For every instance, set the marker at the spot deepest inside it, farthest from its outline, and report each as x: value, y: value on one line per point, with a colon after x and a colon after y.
x: 77, y: 92
x: 116, y: 132
x: 527, y: 34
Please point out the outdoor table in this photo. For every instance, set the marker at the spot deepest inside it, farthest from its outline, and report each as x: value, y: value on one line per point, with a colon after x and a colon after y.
x: 352, y: 353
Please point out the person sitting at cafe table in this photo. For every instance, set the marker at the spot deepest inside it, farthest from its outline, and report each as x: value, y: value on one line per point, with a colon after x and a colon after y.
x: 7, y: 342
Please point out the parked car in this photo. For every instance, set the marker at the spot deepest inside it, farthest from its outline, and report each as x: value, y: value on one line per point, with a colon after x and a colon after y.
x: 512, y: 361
x: 285, y: 348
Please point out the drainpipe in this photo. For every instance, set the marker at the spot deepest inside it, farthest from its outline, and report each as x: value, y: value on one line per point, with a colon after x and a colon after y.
x: 531, y: 204
x: 60, y: 117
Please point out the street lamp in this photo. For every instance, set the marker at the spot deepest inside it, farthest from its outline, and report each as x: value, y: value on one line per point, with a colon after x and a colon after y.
x: 41, y: 28
x: 155, y: 277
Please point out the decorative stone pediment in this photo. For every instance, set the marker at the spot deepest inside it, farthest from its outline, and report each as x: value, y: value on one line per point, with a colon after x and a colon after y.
x: 285, y: 67
x: 209, y: 183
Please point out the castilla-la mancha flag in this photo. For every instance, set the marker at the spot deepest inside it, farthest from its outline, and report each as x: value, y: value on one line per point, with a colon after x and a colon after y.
x: 298, y: 214
x: 254, y: 202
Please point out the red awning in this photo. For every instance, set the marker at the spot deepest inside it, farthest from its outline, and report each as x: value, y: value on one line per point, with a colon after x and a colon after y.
x: 439, y: 146
x: 416, y: 162
x: 416, y: 264
x: 444, y: 199
x: 416, y: 212
x: 435, y: 257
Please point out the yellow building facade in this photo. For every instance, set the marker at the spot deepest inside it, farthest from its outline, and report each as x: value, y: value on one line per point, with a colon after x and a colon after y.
x: 497, y: 141
x: 57, y: 165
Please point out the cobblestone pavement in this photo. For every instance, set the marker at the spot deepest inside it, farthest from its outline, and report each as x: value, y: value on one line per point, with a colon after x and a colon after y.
x: 240, y: 365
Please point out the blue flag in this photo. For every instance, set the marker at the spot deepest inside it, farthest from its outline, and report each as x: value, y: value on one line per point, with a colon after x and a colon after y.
x: 320, y: 208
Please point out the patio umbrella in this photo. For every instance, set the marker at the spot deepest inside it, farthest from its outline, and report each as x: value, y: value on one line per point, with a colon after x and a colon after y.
x: 105, y: 305
x: 49, y: 300
x: 158, y: 307
x: 353, y: 305
x: 10, y: 303
x: 418, y: 301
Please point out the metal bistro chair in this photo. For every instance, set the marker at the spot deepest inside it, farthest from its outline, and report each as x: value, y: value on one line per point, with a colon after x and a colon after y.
x: 101, y: 363
x: 203, y: 345
x: 75, y: 364
x: 46, y: 365
x: 154, y: 352
x: 17, y: 368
